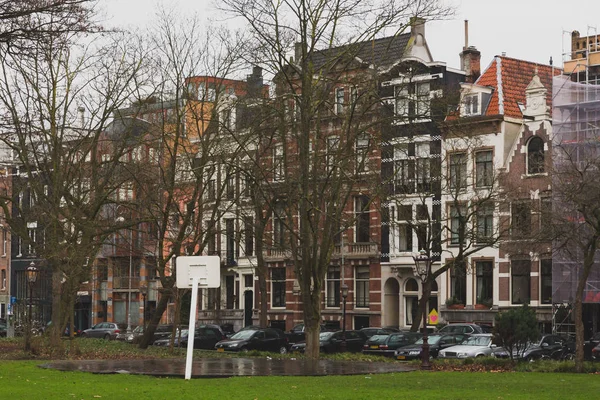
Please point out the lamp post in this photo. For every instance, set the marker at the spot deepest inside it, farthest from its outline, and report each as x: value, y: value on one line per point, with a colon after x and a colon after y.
x: 144, y: 292
x: 31, y: 274
x: 422, y: 270
x: 344, y: 296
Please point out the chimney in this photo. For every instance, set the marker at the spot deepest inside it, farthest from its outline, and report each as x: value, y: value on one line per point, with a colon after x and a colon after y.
x: 81, y: 112
x: 417, y: 26
x: 470, y: 58
x: 255, y: 82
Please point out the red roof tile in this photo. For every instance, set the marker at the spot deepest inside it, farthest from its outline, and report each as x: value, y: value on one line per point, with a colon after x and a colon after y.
x: 510, y: 84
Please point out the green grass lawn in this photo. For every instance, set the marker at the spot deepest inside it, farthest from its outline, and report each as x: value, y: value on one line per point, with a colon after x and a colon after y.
x: 24, y: 380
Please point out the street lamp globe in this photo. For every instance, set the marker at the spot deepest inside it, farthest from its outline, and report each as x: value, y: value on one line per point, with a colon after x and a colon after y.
x: 31, y: 273
x: 344, y: 291
x: 421, y: 266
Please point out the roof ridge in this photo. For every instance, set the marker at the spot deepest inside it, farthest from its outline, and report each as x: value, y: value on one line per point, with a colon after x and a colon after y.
x: 527, y: 61
x: 362, y: 42
x: 499, y: 82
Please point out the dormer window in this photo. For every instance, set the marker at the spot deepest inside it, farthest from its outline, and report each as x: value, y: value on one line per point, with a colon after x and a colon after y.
x: 471, y: 104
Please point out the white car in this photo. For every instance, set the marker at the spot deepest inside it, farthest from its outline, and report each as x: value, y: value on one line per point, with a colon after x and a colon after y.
x: 478, y: 345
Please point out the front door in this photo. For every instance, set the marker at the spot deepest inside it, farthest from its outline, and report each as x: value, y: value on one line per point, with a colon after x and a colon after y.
x: 248, y: 306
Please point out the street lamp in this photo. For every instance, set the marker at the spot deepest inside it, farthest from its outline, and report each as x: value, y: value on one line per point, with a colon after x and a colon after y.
x: 144, y: 292
x: 422, y: 269
x: 344, y: 296
x: 31, y: 274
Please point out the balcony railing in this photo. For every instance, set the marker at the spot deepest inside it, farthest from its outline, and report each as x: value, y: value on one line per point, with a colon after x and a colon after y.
x: 277, y: 254
x: 122, y: 282
x: 357, y: 250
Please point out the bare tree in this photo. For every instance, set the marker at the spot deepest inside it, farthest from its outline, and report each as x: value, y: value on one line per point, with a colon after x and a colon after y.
x: 189, y: 106
x: 313, y: 171
x: 575, y: 197
x: 27, y: 21
x: 576, y: 223
x: 56, y: 104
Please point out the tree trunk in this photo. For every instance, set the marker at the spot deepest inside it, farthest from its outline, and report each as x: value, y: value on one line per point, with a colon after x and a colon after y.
x: 157, y: 315
x: 312, y: 321
x: 55, y: 333
x: 422, y: 308
x: 588, y: 262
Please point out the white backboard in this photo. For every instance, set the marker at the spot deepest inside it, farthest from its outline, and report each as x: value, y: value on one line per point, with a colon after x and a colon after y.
x: 206, y: 268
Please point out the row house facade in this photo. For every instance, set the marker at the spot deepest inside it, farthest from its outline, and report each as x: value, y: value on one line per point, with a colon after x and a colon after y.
x: 126, y: 285
x: 500, y: 146
x: 418, y: 92
x: 497, y: 137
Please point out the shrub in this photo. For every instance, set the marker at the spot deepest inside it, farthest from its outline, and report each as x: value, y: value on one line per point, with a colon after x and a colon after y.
x: 516, y: 328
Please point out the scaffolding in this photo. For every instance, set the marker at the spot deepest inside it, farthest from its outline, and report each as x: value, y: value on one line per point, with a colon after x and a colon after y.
x: 576, y: 129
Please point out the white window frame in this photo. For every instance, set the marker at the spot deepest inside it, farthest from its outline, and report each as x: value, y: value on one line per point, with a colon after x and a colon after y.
x: 330, y: 285
x: 362, y: 157
x: 359, y: 283
x: 339, y: 100
x: 471, y: 104
x: 278, y: 163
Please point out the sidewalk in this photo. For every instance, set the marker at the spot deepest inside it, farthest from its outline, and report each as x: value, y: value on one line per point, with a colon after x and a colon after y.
x: 227, y: 367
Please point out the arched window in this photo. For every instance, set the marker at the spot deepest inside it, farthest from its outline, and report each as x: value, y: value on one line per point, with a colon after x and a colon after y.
x: 411, y: 286
x: 535, y: 156
x: 434, y: 287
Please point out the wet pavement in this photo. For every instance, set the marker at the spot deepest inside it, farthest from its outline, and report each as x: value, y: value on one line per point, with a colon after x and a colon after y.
x: 227, y: 367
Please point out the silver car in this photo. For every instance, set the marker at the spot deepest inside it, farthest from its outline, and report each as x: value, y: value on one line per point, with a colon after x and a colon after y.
x: 104, y: 330
x: 478, y: 345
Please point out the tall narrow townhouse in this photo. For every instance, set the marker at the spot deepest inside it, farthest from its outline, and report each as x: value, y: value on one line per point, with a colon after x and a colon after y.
x: 418, y: 92
x: 497, y: 158
x: 372, y: 249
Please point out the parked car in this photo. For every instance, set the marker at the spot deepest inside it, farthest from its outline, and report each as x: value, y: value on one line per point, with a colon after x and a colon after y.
x: 543, y: 348
x: 129, y: 337
x: 205, y: 337
x: 462, y: 328
x: 436, y: 342
x: 297, y: 333
x: 386, y: 345
x: 331, y: 342
x: 370, y: 331
x: 179, y: 335
x: 104, y: 330
x: 589, y: 345
x: 596, y: 353
x: 477, y: 345
x: 267, y: 339
x: 161, y: 332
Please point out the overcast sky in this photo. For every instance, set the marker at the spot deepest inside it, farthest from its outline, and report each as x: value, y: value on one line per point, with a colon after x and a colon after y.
x: 532, y: 30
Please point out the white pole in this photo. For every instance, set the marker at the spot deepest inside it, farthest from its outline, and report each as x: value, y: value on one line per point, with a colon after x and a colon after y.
x: 191, y: 329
